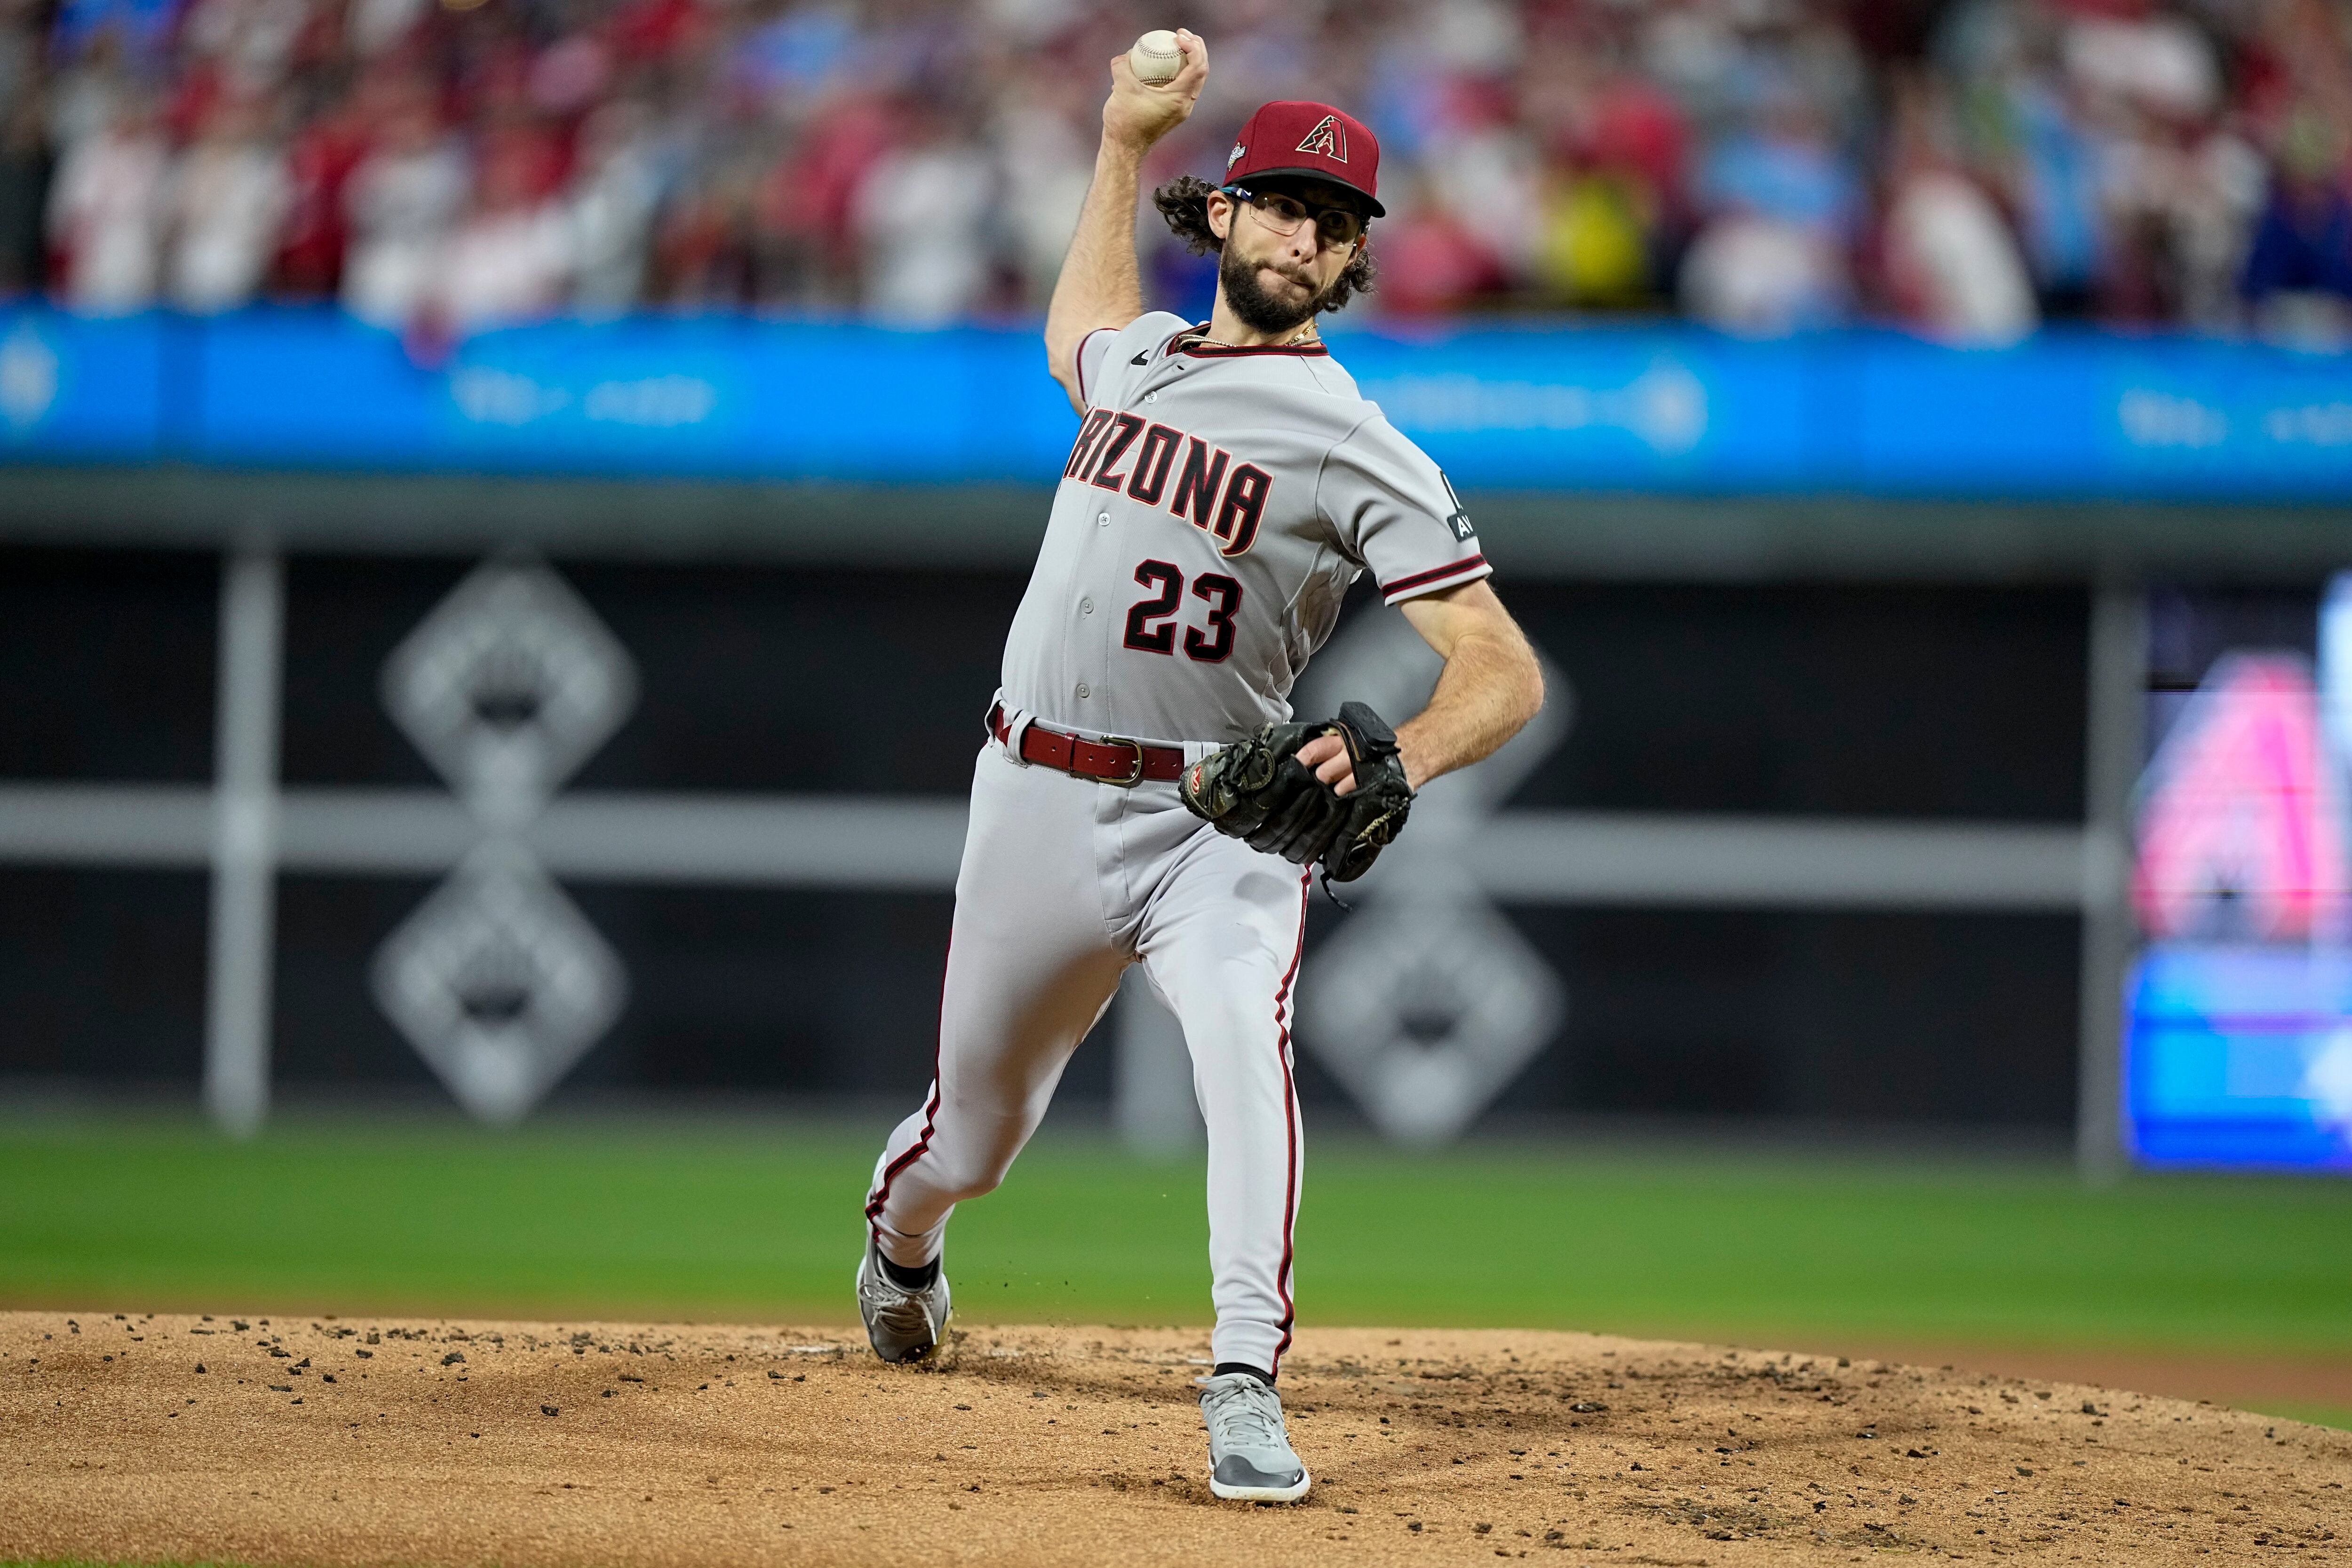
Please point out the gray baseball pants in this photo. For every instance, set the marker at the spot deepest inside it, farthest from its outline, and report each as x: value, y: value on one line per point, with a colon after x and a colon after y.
x: 1065, y: 881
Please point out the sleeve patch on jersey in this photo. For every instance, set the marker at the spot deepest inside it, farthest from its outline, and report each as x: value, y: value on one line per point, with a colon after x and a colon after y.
x: 1459, y: 521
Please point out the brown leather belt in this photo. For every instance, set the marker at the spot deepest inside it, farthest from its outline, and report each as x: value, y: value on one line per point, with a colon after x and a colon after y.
x: 1110, y: 760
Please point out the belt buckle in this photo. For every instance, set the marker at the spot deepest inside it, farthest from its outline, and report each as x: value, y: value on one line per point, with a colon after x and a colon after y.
x: 1132, y: 779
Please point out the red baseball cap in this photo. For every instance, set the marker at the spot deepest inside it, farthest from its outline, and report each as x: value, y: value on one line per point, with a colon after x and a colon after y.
x: 1311, y: 140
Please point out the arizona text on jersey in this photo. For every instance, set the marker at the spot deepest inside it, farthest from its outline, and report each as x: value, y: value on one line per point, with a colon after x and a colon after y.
x: 1216, y: 506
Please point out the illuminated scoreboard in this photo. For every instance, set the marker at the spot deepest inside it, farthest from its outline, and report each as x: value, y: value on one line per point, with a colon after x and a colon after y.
x: 2238, y: 1046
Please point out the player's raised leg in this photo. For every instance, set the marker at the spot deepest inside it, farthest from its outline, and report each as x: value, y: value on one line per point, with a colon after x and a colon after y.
x: 1031, y: 965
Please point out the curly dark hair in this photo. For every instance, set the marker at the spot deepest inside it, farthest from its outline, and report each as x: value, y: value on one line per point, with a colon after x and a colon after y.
x: 1185, y: 204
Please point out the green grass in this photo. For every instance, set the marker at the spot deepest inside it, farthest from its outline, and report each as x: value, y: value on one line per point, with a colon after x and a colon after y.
x: 2335, y: 1415
x: 743, y: 1220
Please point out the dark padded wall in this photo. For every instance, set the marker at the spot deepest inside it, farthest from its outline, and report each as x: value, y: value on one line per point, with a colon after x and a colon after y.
x: 102, y: 974
x: 1876, y: 1016
x: 795, y: 992
x: 762, y: 678
x: 106, y: 664
x: 1881, y: 701
x: 106, y: 672
x: 1908, y: 702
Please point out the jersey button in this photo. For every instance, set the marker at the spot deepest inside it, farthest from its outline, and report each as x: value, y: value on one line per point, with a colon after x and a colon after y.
x: 1151, y: 397
x: 1085, y: 606
x: 1102, y: 520
x: 1082, y: 690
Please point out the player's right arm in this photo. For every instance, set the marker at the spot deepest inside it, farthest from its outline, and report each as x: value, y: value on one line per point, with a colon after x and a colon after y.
x: 1101, y: 286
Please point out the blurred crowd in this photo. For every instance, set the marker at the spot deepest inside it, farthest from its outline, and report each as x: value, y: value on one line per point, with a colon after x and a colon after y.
x: 1966, y: 169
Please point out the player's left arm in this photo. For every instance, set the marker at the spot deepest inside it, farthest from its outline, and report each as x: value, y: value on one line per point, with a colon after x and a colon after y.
x: 1490, y: 687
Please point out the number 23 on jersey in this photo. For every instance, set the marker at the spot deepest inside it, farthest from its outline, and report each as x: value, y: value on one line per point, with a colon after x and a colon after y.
x: 1151, y: 622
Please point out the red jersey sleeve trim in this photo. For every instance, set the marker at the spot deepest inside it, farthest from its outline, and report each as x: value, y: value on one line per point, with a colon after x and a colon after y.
x: 1420, y: 582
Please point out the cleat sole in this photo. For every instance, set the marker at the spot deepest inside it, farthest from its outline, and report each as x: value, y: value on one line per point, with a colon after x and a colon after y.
x: 1291, y: 1493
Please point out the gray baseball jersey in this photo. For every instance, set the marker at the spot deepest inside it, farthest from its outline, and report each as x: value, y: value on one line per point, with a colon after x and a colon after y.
x: 1214, y: 510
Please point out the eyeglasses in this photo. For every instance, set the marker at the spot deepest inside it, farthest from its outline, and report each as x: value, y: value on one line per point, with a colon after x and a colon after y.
x: 1337, y: 228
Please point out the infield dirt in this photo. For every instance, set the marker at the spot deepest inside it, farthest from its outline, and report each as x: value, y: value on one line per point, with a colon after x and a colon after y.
x: 314, y: 1442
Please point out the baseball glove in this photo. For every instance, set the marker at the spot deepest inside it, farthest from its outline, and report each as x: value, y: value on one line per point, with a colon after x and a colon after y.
x: 1257, y: 790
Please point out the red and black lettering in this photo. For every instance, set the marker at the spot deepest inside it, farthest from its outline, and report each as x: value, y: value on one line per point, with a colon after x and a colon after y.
x: 1211, y: 644
x: 1106, y: 474
x: 1237, y: 519
x: 1141, y: 635
x: 1224, y: 596
x: 1082, y: 452
x: 1199, y: 481
x: 1151, y: 464
x: 1231, y: 512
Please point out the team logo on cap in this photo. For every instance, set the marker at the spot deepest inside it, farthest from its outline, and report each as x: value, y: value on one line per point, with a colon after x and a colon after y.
x: 1327, y: 138
x: 1234, y: 156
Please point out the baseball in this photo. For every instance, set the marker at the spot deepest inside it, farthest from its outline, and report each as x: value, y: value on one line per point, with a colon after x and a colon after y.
x: 1156, y: 58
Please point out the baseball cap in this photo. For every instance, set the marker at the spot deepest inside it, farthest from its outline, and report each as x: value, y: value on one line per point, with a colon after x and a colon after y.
x: 1311, y: 140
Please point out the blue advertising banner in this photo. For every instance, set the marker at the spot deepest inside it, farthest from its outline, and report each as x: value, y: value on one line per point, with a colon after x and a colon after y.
x: 83, y: 391
x: 1660, y: 409
x: 2241, y: 1054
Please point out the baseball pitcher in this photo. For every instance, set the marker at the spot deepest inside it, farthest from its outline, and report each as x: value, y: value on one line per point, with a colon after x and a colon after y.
x: 1145, y: 794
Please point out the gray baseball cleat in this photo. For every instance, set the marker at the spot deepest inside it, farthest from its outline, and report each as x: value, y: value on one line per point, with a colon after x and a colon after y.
x: 901, y: 1324
x: 1249, y: 1458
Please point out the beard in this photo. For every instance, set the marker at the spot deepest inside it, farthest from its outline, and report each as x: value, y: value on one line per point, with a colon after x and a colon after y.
x: 1257, y: 309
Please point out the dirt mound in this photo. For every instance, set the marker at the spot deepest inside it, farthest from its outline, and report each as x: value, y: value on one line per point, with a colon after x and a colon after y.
x: 316, y: 1442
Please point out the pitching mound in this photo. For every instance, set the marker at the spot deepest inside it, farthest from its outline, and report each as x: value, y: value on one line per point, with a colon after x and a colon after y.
x: 322, y: 1442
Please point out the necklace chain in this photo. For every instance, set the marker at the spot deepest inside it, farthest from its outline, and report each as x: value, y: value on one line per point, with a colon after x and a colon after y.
x: 1301, y: 336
